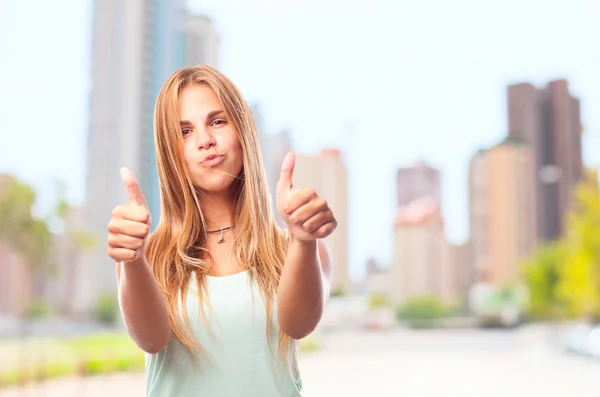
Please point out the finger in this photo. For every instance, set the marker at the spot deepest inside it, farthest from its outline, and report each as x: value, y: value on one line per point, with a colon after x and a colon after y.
x: 308, y: 210
x: 320, y: 219
x: 132, y: 212
x: 326, y: 229
x: 285, y: 178
x: 122, y: 254
x: 129, y: 228
x: 301, y: 197
x: 132, y: 186
x: 125, y: 241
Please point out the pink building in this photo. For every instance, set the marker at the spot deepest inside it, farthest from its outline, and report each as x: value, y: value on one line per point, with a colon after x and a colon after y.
x: 417, y: 181
x: 502, y: 211
x: 424, y: 262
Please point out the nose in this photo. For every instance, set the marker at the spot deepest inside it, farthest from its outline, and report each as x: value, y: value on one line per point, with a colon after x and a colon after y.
x: 204, y: 139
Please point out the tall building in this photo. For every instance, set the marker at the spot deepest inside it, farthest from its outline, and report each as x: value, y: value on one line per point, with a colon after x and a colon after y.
x: 479, y: 215
x: 202, y: 41
x: 417, y: 181
x: 259, y: 121
x: 326, y: 173
x: 16, y: 281
x: 274, y: 148
x: 419, y: 244
x: 58, y: 290
x: 196, y: 43
x: 377, y: 280
x: 549, y: 120
x: 136, y: 46
x: 425, y: 263
x: 502, y: 211
x: 456, y: 272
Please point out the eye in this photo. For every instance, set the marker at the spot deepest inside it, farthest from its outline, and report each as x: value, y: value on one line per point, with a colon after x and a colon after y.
x: 185, y: 131
x: 218, y: 122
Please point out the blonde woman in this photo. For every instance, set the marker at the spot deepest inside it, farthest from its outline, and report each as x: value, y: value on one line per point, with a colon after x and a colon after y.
x: 218, y: 295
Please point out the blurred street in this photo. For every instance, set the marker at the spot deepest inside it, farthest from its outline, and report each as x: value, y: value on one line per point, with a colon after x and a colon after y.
x: 405, y: 363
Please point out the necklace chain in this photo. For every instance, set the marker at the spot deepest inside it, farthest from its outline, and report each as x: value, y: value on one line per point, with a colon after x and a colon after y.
x: 221, y: 230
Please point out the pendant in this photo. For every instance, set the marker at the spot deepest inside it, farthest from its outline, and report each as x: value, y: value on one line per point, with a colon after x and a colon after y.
x: 221, y: 239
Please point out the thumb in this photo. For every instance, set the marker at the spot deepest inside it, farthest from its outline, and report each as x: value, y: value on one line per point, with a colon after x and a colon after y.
x: 287, y: 169
x: 132, y: 186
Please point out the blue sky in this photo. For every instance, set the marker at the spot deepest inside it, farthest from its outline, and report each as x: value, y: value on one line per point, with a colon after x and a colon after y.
x: 416, y: 79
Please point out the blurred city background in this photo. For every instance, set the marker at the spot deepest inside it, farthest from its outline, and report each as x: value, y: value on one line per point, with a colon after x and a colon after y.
x: 458, y: 144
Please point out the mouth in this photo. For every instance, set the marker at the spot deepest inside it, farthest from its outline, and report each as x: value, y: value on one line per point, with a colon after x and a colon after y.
x: 212, y: 160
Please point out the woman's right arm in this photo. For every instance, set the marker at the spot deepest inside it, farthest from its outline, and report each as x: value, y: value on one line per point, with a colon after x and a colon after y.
x: 143, y: 306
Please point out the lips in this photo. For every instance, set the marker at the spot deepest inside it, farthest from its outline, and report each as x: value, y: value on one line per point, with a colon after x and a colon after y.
x: 212, y: 160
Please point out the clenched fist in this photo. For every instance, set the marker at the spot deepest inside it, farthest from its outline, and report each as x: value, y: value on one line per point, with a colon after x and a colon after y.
x: 307, y: 215
x: 130, y: 223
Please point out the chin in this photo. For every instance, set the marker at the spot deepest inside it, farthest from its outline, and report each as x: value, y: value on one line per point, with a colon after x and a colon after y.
x: 214, y: 183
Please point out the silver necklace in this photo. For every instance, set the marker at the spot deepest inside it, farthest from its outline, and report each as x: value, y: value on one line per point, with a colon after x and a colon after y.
x: 221, y: 237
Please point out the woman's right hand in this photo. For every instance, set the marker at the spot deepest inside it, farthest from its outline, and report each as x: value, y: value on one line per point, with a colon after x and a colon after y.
x: 129, y: 225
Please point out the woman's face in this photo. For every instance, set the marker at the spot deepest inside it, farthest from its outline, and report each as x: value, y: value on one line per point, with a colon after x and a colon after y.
x: 212, y: 151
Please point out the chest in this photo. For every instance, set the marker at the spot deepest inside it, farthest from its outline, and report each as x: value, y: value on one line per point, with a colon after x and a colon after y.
x: 234, y: 313
x: 224, y: 260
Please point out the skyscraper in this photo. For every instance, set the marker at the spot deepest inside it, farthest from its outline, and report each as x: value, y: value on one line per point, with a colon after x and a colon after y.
x: 457, y: 271
x: 502, y: 211
x: 419, y: 247
x: 424, y: 263
x: 417, y: 181
x: 136, y: 45
x: 549, y: 120
x: 326, y: 173
x: 195, y: 43
x: 274, y: 148
x: 17, y: 284
x: 202, y: 41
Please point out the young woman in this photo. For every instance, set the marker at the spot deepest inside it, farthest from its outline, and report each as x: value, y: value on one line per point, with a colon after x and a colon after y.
x: 218, y: 295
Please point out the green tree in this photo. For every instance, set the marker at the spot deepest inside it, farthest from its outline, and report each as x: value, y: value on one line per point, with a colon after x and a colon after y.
x: 25, y: 234
x: 541, y: 276
x: 70, y: 240
x: 563, y: 278
x: 579, y: 278
x: 77, y: 237
x: 423, y: 308
x: 377, y: 300
x: 107, y: 308
x: 31, y: 237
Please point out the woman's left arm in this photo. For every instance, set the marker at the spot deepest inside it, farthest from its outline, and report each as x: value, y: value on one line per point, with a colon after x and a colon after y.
x: 305, y: 281
x: 304, y: 287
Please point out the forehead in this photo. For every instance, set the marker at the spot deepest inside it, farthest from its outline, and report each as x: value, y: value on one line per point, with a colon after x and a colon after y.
x: 196, y: 101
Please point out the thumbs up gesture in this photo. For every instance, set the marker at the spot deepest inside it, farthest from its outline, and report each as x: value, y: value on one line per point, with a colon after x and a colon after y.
x: 307, y: 215
x: 130, y: 223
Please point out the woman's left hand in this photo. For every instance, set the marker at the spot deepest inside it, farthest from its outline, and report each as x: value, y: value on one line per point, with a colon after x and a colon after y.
x: 307, y: 215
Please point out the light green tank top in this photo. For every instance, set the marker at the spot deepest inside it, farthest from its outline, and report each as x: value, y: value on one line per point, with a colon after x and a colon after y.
x: 240, y: 361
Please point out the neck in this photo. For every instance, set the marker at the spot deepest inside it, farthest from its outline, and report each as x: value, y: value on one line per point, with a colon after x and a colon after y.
x: 217, y: 210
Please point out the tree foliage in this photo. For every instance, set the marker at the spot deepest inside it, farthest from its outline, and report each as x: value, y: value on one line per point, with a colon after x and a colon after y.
x: 33, y: 238
x: 24, y: 233
x: 564, y: 277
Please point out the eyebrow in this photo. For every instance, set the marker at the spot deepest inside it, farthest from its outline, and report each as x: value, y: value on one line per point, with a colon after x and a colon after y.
x: 209, y: 116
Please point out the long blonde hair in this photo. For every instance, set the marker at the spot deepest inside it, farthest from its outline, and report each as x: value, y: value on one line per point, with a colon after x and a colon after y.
x: 177, y: 246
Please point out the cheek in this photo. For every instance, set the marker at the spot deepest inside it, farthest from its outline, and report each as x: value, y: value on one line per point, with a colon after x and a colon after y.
x: 187, y: 155
x: 231, y: 144
x: 239, y: 156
